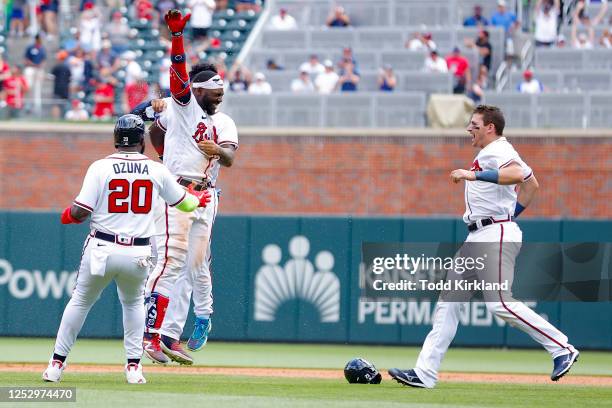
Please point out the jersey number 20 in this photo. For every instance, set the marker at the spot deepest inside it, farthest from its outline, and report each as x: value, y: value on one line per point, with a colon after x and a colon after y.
x: 121, y: 189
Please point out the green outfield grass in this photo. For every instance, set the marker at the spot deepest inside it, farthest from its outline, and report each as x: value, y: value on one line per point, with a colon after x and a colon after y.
x: 109, y: 389
x: 535, y: 361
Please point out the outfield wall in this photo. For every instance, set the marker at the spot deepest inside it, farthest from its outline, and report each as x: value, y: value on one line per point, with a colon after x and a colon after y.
x: 38, y: 257
x: 390, y: 172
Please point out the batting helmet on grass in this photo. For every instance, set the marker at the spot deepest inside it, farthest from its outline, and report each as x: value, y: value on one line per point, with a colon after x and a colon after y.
x: 360, y: 371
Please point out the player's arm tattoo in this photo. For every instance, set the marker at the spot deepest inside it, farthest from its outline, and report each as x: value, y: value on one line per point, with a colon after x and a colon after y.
x: 226, y: 155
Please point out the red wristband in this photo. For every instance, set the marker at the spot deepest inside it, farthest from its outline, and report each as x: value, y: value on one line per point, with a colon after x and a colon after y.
x: 67, y: 217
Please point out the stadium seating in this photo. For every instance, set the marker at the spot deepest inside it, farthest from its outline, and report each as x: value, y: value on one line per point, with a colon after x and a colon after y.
x: 347, y: 110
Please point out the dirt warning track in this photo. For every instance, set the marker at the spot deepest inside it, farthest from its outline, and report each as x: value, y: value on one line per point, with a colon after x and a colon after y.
x: 315, y: 373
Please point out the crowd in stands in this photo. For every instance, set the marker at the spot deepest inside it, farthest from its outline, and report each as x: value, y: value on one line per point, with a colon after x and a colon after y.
x: 96, y: 73
x: 314, y: 76
x: 93, y: 63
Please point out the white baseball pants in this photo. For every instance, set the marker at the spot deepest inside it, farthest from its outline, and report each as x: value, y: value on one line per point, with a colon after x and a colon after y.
x: 506, y: 240
x: 101, y: 263
x: 183, y: 265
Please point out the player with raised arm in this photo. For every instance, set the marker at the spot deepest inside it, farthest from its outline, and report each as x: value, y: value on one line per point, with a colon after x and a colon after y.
x: 197, y: 141
x: 492, y: 205
x: 119, y: 193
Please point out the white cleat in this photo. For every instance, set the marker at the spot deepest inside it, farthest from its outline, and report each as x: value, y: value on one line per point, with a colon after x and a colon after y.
x: 133, y: 373
x: 54, y: 371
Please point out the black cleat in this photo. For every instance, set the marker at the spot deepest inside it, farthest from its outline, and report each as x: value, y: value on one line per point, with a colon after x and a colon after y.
x: 406, y: 377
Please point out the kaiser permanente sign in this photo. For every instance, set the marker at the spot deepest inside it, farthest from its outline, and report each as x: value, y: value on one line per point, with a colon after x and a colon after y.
x: 292, y: 279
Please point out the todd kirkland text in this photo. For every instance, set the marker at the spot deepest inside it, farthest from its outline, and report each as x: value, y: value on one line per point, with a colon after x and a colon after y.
x: 469, y: 285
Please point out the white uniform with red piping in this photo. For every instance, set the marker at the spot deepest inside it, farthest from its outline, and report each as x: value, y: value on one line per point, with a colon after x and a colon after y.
x: 120, y: 192
x: 183, y: 239
x: 502, y: 241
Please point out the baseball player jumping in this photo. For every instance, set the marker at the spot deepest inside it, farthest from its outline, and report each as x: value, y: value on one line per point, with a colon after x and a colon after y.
x: 197, y: 142
x: 491, y: 205
x: 119, y: 192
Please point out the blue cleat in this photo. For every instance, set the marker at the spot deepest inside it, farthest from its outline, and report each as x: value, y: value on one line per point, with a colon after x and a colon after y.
x: 562, y: 364
x: 406, y: 377
x: 199, y: 337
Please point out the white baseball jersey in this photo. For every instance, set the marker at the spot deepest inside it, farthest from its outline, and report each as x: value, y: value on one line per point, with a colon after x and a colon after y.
x: 182, y: 155
x: 120, y: 189
x: 484, y: 199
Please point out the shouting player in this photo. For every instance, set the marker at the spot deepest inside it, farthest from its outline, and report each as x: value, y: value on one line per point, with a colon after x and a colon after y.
x: 491, y: 205
x: 119, y: 192
x: 197, y: 142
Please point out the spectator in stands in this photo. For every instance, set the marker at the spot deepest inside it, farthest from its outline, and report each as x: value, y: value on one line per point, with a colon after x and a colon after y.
x: 71, y: 43
x: 504, y: 18
x: 61, y: 84
x: 561, y: 42
x: 163, y: 6
x: 433, y: 63
x: 348, y: 58
x: 476, y: 90
x: 164, y: 75
x: 104, y: 98
x: 35, y: 57
x: 18, y: 18
x: 484, y: 47
x: 90, y: 72
x: 5, y: 73
x: 529, y: 85
x: 76, y: 63
x: 49, y: 10
x: 326, y: 82
x: 312, y: 66
x: 118, y: 32
x: 15, y: 87
x: 239, y: 80
x: 220, y: 65
x: 260, y: 86
x: 133, y: 71
x: 247, y: 5
x: 606, y: 39
x: 546, y: 15
x: 460, y: 67
x: 106, y: 60
x: 477, y: 19
x: 77, y: 112
x: 584, y: 41
x: 387, y: 81
x: 272, y: 65
x: 302, y: 84
x: 338, y: 18
x: 144, y: 10
x: 201, y: 18
x: 349, y: 79
x: 283, y: 21
x: 135, y: 93
x: 580, y: 17
x: 421, y: 41
x: 90, y: 27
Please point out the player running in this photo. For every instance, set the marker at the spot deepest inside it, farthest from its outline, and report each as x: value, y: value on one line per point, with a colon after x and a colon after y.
x: 491, y: 205
x: 119, y: 192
